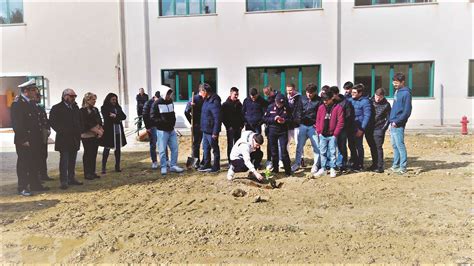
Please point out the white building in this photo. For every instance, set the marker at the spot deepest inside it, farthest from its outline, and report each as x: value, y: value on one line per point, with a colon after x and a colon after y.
x: 247, y: 44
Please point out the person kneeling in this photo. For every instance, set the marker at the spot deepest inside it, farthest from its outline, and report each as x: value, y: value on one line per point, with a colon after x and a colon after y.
x: 246, y: 155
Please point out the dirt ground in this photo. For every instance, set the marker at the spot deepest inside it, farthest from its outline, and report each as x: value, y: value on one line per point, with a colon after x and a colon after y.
x: 139, y: 216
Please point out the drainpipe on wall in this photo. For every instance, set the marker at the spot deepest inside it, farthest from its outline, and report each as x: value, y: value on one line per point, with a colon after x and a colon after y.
x: 441, y: 106
x: 147, y: 48
x: 123, y: 62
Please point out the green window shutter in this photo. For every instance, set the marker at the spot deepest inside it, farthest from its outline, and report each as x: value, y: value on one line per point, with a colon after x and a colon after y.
x: 392, y: 73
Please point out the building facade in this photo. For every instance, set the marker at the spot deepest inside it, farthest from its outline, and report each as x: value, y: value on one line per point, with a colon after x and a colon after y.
x: 250, y: 43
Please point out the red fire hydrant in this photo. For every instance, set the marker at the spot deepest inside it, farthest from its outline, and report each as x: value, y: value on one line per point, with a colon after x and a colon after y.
x: 464, y: 122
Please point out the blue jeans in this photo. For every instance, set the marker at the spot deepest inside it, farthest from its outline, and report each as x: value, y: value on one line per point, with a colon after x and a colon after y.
x: 152, y: 136
x: 397, y: 137
x: 167, y: 139
x: 209, y: 143
x: 307, y: 132
x: 327, y: 145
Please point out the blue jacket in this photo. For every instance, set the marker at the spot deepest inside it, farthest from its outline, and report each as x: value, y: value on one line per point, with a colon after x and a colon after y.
x: 401, y: 109
x: 253, y: 112
x: 211, y: 115
x: 362, y: 111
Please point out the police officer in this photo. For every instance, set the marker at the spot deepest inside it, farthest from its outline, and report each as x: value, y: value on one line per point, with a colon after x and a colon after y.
x: 45, y: 132
x: 28, y: 139
x: 277, y: 118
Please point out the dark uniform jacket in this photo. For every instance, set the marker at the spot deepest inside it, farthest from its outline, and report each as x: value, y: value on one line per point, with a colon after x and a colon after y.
x: 211, y: 115
x: 272, y: 112
x: 67, y: 123
x: 232, y: 114
x: 194, y: 111
x: 108, y: 138
x: 25, y: 122
x: 44, y: 123
x: 253, y: 111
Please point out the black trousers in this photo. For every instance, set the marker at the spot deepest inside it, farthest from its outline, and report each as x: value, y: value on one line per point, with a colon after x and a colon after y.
x: 255, y: 128
x: 352, y: 146
x: 89, y: 158
x: 375, y: 139
x: 197, y: 138
x: 27, y: 167
x: 232, y: 136
x: 117, y: 153
x: 255, y: 157
x: 43, y: 164
x: 67, y: 166
x: 273, y: 140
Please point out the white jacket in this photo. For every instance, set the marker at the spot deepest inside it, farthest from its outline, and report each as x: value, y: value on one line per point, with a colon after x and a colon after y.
x: 242, y: 149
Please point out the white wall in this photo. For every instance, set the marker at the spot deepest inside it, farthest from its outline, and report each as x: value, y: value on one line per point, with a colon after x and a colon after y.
x: 232, y: 40
x: 439, y: 32
x: 74, y: 44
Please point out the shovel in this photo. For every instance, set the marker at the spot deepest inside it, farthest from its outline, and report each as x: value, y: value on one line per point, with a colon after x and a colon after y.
x: 191, y: 160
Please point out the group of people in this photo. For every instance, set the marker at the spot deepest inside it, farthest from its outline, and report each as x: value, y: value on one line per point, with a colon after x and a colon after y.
x: 72, y: 125
x: 334, y: 123
x: 330, y: 120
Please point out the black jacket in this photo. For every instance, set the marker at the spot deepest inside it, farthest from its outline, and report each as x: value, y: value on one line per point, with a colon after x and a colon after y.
x: 90, y: 120
x: 162, y: 115
x: 67, y: 123
x: 348, y: 109
x: 25, y: 122
x: 146, y: 113
x: 211, y: 115
x: 382, y: 114
x: 309, y: 109
x: 194, y: 111
x: 108, y: 138
x: 253, y: 111
x: 141, y: 100
x: 232, y: 114
x: 274, y: 111
x: 295, y: 105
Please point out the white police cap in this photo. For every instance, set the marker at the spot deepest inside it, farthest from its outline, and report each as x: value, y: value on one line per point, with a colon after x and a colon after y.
x: 30, y: 83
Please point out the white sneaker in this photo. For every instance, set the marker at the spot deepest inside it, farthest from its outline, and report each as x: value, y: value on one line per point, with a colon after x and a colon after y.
x: 314, y: 169
x: 176, y: 169
x: 269, y: 165
x: 164, y: 171
x: 332, y: 173
x: 154, y: 165
x: 295, y: 167
x: 281, y: 165
x: 230, y: 173
x: 319, y: 173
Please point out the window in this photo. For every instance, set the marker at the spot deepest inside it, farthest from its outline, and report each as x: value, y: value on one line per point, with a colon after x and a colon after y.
x: 278, y: 77
x: 187, y: 7
x: 388, y: 2
x: 268, y: 5
x: 471, y: 79
x: 419, y: 77
x: 11, y: 11
x: 186, y: 81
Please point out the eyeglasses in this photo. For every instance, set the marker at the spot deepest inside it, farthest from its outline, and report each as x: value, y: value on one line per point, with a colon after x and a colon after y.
x: 72, y: 95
